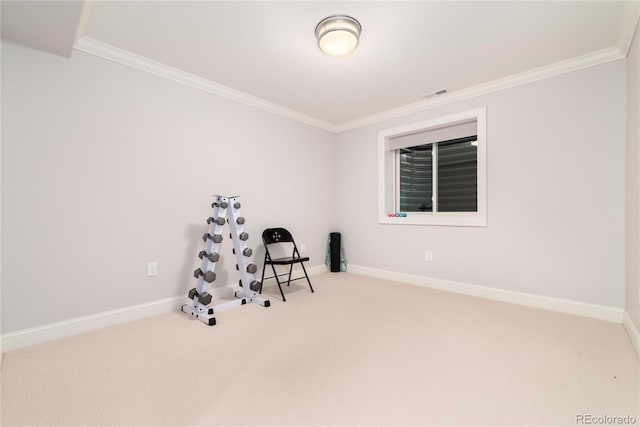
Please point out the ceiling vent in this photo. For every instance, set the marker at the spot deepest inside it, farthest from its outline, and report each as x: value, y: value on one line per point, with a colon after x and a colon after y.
x: 435, y: 93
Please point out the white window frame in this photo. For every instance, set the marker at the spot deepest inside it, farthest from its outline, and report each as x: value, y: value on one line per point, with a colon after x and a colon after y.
x: 388, y: 185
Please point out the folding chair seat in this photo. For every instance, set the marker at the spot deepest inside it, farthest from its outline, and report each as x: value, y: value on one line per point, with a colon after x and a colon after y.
x: 282, y: 237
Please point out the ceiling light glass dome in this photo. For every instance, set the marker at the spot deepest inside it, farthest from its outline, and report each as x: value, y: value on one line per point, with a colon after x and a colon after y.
x: 338, y: 34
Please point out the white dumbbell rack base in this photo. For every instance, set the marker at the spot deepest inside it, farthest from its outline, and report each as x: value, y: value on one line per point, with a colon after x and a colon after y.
x: 227, y: 208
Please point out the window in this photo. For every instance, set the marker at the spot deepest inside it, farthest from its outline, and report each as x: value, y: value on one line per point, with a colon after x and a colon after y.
x: 453, y: 187
x: 434, y: 171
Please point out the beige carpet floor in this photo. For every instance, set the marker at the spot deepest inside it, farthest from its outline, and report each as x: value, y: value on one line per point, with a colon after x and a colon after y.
x: 359, y: 351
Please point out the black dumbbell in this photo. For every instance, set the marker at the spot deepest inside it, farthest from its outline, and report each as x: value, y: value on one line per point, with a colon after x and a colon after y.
x: 205, y: 299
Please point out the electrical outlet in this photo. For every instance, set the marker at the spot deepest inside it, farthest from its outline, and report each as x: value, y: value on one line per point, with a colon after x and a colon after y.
x: 152, y: 268
x: 428, y: 256
x: 303, y: 247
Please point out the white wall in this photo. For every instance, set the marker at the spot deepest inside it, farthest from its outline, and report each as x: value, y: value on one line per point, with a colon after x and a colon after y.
x: 555, y: 194
x: 1, y: 353
x: 632, y: 300
x: 105, y: 167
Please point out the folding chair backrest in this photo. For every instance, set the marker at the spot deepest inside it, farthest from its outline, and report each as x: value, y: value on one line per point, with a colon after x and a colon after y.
x: 276, y: 235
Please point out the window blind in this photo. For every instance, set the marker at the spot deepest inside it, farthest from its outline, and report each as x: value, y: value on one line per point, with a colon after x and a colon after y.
x: 446, y: 133
x: 458, y: 176
x: 416, y: 179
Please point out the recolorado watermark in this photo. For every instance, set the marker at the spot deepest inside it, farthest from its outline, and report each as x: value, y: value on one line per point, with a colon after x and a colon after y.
x: 605, y: 419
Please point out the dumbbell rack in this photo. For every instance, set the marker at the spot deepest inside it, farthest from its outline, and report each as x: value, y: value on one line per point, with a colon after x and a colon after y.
x: 225, y: 210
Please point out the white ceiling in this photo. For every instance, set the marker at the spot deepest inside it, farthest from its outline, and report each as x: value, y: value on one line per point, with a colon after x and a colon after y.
x: 407, y: 49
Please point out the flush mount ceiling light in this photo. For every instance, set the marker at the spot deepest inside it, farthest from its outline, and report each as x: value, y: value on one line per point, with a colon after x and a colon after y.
x: 338, y: 34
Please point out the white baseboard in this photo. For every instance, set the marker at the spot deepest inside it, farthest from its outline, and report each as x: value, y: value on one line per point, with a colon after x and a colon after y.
x: 78, y: 325
x: 601, y: 312
x: 633, y: 333
x: 52, y: 331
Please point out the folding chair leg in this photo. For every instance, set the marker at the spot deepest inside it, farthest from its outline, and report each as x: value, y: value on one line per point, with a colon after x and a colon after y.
x: 289, y: 278
x: 278, y: 281
x: 307, y: 276
x: 264, y: 265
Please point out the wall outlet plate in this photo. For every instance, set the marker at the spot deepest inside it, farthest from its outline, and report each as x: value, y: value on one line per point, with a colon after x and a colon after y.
x: 152, y: 268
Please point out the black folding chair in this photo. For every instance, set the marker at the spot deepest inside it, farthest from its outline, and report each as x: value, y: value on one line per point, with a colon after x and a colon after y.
x: 272, y: 236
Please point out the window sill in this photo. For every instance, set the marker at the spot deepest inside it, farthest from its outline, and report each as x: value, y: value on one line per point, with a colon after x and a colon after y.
x: 456, y: 220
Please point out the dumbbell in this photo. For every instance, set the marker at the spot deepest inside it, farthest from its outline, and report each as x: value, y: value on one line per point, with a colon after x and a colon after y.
x: 203, y: 298
x: 246, y: 251
x: 244, y: 236
x: 240, y: 220
x: 217, y: 238
x: 251, y: 268
x: 255, y: 286
x: 219, y: 220
x: 209, y: 276
x: 213, y: 256
x: 223, y: 205
x: 237, y: 205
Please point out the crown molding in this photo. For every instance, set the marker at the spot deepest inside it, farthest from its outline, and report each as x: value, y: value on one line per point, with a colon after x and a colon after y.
x: 107, y: 51
x: 552, y: 70
x: 115, y: 54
